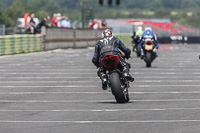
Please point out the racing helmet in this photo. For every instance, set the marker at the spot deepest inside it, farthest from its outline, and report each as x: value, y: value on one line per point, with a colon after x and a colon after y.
x: 148, y: 28
x: 106, y: 33
x: 140, y: 28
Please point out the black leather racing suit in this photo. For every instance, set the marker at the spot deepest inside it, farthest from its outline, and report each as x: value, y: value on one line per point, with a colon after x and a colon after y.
x: 110, y: 45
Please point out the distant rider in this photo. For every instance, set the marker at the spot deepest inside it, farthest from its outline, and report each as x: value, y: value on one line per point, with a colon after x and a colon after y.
x: 148, y: 34
x: 110, y: 44
x: 136, y: 36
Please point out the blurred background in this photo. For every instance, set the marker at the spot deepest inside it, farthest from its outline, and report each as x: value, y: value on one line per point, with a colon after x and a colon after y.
x: 184, y: 12
x: 168, y: 18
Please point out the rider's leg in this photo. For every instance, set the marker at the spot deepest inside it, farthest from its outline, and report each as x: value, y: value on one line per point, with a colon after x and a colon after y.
x: 103, y: 77
x: 126, y: 67
x: 142, y: 51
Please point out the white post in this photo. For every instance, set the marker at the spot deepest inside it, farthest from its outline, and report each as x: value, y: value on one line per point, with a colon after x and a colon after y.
x: 3, y: 29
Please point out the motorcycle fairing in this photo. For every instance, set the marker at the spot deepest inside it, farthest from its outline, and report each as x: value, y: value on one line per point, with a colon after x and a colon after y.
x: 110, y: 61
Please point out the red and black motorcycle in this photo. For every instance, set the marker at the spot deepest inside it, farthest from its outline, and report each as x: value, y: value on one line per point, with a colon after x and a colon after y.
x: 116, y: 81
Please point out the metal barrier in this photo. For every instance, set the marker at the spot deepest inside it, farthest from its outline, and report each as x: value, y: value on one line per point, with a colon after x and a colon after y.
x: 15, y: 44
x: 2, y: 29
x: 174, y: 39
x: 71, y: 38
x: 6, y: 30
x: 68, y: 38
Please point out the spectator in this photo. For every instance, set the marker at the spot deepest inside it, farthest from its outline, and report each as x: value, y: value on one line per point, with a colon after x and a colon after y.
x: 54, y: 21
x: 66, y: 23
x: 32, y: 18
x: 95, y: 24
x: 104, y: 24
x: 31, y: 29
x: 26, y: 16
x: 59, y: 19
x: 43, y: 22
x: 92, y: 24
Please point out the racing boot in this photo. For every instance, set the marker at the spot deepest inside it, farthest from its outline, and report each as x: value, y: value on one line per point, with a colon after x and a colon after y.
x: 126, y: 73
x: 129, y: 77
x: 104, y: 84
x: 155, y: 51
x: 103, y: 78
x: 134, y: 48
x: 142, y: 54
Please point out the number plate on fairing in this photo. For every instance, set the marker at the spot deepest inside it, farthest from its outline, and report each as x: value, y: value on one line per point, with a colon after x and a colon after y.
x: 148, y: 47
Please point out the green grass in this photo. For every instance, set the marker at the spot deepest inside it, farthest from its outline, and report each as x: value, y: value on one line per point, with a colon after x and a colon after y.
x: 125, y: 38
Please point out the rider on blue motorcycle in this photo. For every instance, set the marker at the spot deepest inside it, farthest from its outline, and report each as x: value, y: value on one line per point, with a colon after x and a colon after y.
x: 148, y: 34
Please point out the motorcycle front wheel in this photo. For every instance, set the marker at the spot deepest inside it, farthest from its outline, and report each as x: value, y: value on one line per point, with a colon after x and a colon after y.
x: 138, y: 51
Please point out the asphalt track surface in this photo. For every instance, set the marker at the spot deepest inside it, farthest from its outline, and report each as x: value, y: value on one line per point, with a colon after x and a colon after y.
x: 59, y: 92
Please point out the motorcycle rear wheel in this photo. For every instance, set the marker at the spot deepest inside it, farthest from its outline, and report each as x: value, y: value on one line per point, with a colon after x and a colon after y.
x: 116, y: 88
x: 148, y: 59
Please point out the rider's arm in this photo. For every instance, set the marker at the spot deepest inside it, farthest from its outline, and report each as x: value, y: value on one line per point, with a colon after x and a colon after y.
x: 140, y: 39
x: 95, y: 59
x: 156, y: 41
x: 134, y: 34
x: 123, y: 48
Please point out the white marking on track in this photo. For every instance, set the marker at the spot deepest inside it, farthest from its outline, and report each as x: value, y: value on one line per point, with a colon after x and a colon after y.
x: 166, y: 85
x: 24, y: 93
x: 63, y: 73
x: 92, y: 101
x: 100, y: 110
x: 142, y: 77
x: 50, y: 73
x: 69, y: 86
x: 79, y: 81
x: 77, y: 86
x: 90, y: 122
x: 49, y: 77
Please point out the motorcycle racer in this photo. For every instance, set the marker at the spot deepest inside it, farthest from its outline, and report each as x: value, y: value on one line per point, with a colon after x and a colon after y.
x: 148, y: 34
x: 110, y: 44
x: 136, y: 35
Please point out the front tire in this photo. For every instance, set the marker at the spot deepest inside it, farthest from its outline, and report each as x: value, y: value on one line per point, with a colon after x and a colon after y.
x: 148, y: 59
x: 116, y: 88
x: 138, y: 50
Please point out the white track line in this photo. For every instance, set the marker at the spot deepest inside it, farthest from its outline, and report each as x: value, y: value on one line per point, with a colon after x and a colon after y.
x: 92, y: 101
x: 93, y: 86
x: 50, y: 73
x: 68, y: 86
x: 166, y: 85
x: 90, y: 122
x: 88, y: 69
x: 147, y: 77
x: 83, y: 81
x: 100, y: 110
x: 25, y: 93
x: 51, y: 77
x: 64, y: 73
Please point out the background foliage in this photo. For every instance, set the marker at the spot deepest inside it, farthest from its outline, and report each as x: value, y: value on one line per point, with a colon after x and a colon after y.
x: 183, y: 11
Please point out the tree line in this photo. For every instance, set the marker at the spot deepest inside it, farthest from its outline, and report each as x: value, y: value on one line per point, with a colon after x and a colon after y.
x: 183, y: 11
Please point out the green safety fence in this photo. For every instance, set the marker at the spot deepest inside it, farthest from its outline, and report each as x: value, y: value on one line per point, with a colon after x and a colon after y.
x: 16, y: 44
